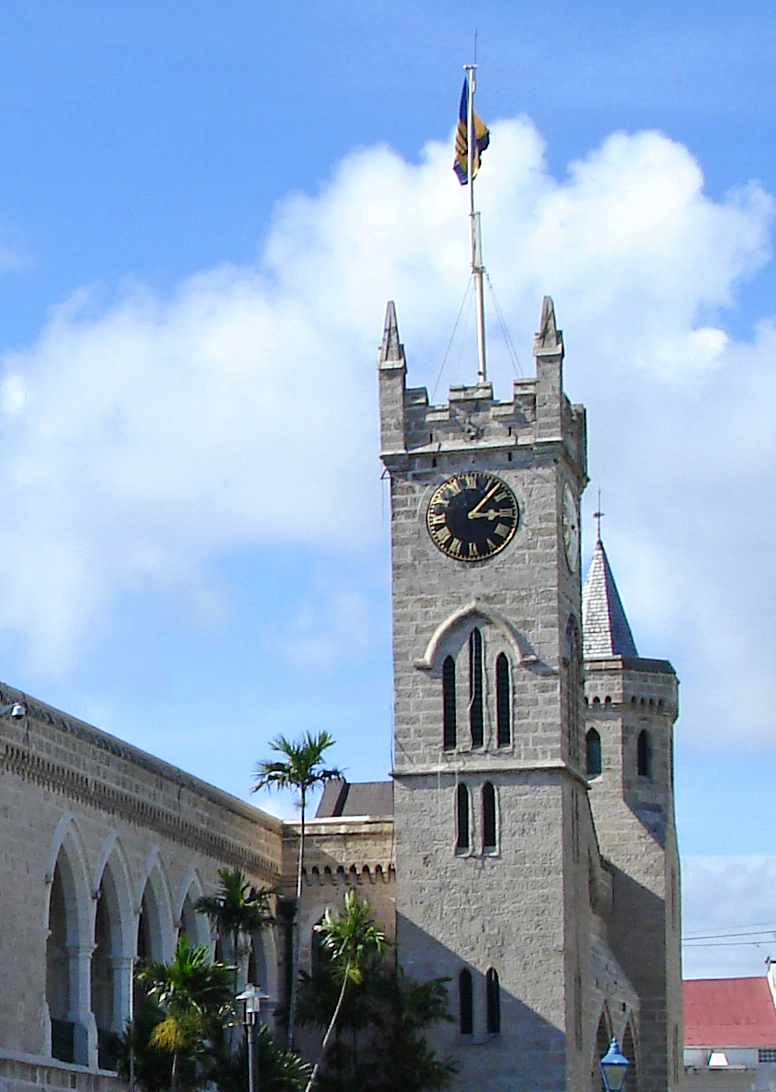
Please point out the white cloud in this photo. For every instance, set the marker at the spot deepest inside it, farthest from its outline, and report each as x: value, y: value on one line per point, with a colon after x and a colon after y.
x: 139, y: 441
x: 723, y: 896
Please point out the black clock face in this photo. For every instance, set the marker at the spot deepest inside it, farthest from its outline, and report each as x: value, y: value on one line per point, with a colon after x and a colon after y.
x: 472, y: 516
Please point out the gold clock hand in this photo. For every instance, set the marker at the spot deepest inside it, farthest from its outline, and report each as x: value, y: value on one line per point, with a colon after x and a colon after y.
x: 473, y: 513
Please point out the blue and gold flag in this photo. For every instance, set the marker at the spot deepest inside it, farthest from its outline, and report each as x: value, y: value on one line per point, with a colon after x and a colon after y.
x: 481, y: 139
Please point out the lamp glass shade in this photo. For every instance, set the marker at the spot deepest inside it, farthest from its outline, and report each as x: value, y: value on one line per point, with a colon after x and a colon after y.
x: 252, y: 997
x: 614, y: 1067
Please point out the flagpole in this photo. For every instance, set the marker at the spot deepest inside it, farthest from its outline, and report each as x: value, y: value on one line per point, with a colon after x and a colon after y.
x: 478, y: 268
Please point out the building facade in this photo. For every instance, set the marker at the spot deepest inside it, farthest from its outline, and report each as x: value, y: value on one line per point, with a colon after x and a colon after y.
x: 525, y: 849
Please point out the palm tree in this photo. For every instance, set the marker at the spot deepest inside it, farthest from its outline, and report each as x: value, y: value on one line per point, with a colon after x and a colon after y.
x: 300, y: 769
x: 238, y: 909
x: 194, y: 996
x: 354, y: 942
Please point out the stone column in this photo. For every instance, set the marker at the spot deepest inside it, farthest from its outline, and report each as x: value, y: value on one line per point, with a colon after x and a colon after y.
x: 122, y: 968
x: 81, y: 1016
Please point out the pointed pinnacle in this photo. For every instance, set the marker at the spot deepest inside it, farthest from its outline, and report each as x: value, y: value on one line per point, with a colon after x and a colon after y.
x: 549, y: 340
x: 391, y: 348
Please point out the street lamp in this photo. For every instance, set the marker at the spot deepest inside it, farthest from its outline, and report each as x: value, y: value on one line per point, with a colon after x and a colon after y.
x: 15, y: 708
x: 252, y: 997
x: 614, y: 1067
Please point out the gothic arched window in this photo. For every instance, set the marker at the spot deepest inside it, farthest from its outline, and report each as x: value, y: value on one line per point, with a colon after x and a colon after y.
x: 465, y: 1002
x: 448, y: 704
x: 503, y: 702
x: 488, y: 817
x: 644, y: 754
x: 493, y: 1001
x: 462, y: 817
x: 593, y: 764
x: 476, y: 711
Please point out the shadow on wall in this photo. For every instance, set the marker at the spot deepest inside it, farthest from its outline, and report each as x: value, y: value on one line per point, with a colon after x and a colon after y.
x: 525, y: 1052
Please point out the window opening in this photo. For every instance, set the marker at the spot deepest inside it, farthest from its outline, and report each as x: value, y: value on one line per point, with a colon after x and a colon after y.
x: 462, y: 817
x: 488, y: 817
x: 476, y: 712
x: 503, y: 702
x: 644, y: 754
x: 593, y: 763
x: 448, y: 704
x: 493, y: 999
x: 465, y: 1002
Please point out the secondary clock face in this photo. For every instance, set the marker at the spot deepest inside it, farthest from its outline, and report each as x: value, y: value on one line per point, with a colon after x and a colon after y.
x: 472, y: 516
x: 570, y: 528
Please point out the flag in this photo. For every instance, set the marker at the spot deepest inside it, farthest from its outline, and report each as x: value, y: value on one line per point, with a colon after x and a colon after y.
x: 481, y: 139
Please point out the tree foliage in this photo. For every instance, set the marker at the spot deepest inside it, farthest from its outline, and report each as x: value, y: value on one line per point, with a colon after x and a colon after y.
x: 380, y: 1044
x: 301, y: 768
x: 238, y: 909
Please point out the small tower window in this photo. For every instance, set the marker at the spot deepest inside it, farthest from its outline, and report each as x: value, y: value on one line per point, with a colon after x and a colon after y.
x: 503, y: 702
x: 465, y: 1002
x: 462, y: 817
x: 644, y: 754
x: 493, y: 1001
x: 476, y: 715
x: 488, y: 817
x: 593, y: 764
x: 448, y: 704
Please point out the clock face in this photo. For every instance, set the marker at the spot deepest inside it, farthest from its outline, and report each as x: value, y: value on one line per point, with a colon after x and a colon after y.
x: 570, y: 528
x: 472, y: 516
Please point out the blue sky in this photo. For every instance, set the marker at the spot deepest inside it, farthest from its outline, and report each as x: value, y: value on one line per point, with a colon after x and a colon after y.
x: 203, y: 210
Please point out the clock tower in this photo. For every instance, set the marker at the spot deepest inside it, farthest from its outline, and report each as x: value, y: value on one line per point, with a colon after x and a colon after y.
x: 491, y: 814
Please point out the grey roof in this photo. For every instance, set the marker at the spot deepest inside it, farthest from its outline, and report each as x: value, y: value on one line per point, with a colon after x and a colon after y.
x: 605, y: 627
x: 360, y: 798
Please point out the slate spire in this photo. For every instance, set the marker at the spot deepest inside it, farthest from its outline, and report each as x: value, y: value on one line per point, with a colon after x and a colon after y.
x: 605, y: 626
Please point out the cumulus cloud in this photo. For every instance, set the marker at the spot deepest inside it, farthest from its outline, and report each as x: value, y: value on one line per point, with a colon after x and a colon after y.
x: 139, y: 441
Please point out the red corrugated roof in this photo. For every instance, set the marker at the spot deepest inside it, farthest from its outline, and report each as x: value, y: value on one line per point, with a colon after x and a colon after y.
x: 729, y: 1012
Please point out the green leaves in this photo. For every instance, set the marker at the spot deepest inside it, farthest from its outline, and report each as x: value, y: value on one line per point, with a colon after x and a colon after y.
x: 301, y: 767
x: 238, y: 909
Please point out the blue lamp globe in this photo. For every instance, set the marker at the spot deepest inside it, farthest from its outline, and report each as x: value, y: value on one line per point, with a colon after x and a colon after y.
x: 614, y: 1067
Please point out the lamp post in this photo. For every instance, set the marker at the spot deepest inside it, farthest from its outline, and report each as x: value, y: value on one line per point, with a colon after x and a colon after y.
x: 252, y: 997
x: 614, y: 1067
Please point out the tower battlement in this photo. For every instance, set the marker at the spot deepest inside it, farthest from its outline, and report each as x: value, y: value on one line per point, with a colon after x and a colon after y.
x: 538, y: 414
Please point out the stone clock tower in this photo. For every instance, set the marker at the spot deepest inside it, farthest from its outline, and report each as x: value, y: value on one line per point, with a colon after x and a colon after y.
x: 490, y: 793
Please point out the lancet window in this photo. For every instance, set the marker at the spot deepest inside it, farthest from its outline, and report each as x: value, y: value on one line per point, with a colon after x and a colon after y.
x: 593, y: 761
x: 465, y: 1002
x: 462, y: 817
x: 503, y: 702
x: 476, y: 689
x: 449, y: 728
x: 489, y: 837
x: 644, y: 754
x: 493, y: 1001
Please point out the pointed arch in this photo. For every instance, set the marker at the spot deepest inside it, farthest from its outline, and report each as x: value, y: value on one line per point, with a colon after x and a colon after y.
x: 493, y: 1001
x: 462, y: 839
x: 630, y: 1049
x: 503, y: 701
x: 476, y: 688
x: 489, y: 822
x: 644, y: 754
x: 449, y: 718
x: 68, y: 945
x: 155, y: 922
x: 593, y: 757
x: 465, y: 1002
x: 114, y: 945
x: 603, y: 1038
x: 523, y: 653
x: 194, y: 925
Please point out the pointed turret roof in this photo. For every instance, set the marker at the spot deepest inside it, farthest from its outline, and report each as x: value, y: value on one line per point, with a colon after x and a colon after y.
x: 391, y: 349
x: 605, y: 626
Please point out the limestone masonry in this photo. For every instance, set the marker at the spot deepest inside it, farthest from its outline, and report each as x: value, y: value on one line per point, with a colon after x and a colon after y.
x: 525, y: 849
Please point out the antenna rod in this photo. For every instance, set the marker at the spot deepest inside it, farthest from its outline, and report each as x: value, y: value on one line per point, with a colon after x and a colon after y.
x: 478, y: 269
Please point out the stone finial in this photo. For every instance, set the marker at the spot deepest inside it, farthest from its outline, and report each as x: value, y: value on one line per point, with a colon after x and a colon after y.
x: 391, y: 349
x: 549, y: 340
